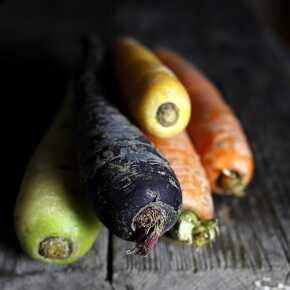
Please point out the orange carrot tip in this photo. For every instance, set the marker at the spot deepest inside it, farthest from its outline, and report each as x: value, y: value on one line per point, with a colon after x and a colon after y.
x: 231, y: 182
x: 190, y: 229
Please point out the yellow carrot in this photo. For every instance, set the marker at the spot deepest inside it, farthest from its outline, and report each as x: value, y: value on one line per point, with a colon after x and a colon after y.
x: 154, y: 97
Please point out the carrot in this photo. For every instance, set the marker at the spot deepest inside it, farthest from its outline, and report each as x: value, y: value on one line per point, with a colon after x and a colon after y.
x: 214, y: 129
x: 196, y: 224
x: 135, y: 192
x: 154, y: 97
x: 54, y: 220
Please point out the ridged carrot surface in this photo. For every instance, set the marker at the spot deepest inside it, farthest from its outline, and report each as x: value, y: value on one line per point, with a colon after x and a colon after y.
x: 153, y: 95
x: 185, y: 162
x: 214, y: 129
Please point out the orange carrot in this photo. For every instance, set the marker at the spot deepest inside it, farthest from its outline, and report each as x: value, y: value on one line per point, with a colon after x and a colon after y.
x: 185, y: 162
x: 195, y: 224
x: 214, y: 129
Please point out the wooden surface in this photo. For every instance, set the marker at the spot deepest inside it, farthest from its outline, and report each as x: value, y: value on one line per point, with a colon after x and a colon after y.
x: 250, y: 68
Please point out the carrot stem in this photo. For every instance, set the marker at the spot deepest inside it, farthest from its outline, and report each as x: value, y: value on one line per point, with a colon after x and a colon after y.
x: 232, y: 182
x: 55, y: 248
x: 167, y: 114
x: 190, y: 229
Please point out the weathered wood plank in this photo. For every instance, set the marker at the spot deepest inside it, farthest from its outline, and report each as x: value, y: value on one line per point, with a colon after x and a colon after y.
x: 224, y: 40
x: 55, y: 281
x: 218, y: 280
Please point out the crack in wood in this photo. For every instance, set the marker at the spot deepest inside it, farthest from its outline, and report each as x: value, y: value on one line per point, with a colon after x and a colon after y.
x: 109, y: 274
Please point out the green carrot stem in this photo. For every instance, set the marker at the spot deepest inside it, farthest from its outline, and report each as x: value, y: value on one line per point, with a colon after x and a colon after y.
x: 232, y: 182
x: 190, y: 229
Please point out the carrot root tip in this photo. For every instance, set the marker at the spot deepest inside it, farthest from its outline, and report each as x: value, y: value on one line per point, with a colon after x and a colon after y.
x: 231, y: 182
x: 149, y: 225
x: 55, y: 248
x: 167, y: 114
x: 191, y: 230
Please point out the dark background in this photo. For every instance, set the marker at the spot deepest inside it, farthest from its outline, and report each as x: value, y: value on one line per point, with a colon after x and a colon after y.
x: 39, y: 44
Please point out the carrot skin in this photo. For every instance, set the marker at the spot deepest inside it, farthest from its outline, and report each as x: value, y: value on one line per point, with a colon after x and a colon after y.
x: 216, y: 132
x: 181, y: 155
x: 195, y: 225
x: 135, y: 192
x: 54, y: 220
x: 154, y: 97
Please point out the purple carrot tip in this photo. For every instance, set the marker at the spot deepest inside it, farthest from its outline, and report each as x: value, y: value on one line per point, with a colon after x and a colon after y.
x: 145, y: 247
x: 149, y: 226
